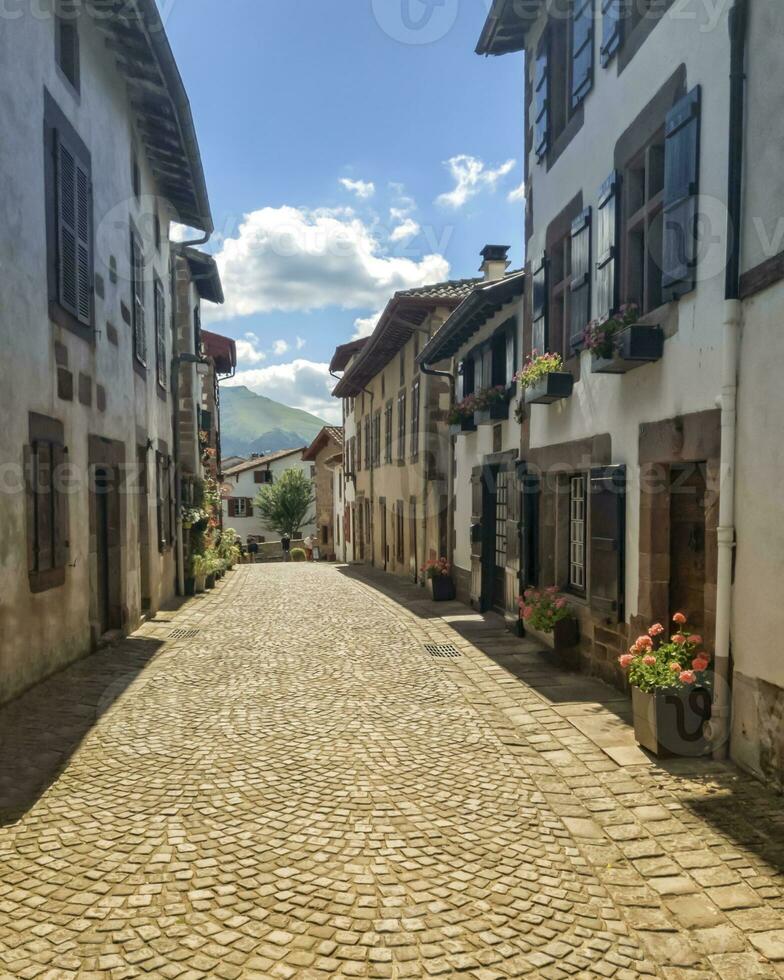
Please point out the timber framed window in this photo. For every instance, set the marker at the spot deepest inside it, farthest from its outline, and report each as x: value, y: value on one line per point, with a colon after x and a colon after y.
x: 45, y: 468
x: 66, y: 41
x: 388, y: 432
x: 160, y: 335
x: 577, y: 530
x: 401, y: 426
x: 69, y: 223
x: 415, y: 392
x: 137, y: 300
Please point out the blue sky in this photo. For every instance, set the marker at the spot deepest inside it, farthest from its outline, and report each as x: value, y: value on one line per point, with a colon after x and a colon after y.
x: 350, y: 150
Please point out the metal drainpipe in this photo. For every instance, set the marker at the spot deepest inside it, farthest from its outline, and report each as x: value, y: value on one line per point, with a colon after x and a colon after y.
x: 719, y: 728
x: 433, y: 372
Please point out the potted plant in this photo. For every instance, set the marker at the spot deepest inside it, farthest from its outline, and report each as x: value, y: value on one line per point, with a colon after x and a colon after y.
x: 298, y: 554
x: 212, y: 568
x: 546, y: 611
x: 199, y: 568
x: 461, y: 416
x: 543, y: 380
x: 492, y: 404
x: 619, y: 343
x: 439, y: 573
x: 671, y: 701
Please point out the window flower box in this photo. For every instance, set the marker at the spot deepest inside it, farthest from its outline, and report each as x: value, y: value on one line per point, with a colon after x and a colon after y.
x: 550, y: 388
x: 464, y: 425
x: 632, y: 346
x: 497, y: 412
x: 492, y: 404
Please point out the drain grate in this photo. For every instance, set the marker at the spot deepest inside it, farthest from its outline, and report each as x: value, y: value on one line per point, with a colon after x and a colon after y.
x: 442, y: 651
x: 183, y: 634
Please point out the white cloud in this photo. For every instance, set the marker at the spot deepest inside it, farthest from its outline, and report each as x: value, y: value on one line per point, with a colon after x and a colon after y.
x: 518, y: 194
x: 248, y: 352
x: 362, y: 188
x: 292, y: 259
x: 300, y: 343
x: 365, y: 325
x: 471, y: 176
x: 280, y: 347
x: 408, y: 228
x: 299, y: 384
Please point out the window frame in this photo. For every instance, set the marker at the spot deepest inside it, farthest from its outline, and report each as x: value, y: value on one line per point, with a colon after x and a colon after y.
x: 402, y: 425
x: 577, y: 535
x: 641, y: 225
x: 69, y: 24
x: 48, y: 433
x: 161, y: 376
x: 388, y: 437
x: 138, y: 301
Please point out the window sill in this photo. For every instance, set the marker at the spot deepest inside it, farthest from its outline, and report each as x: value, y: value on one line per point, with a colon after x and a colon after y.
x: 44, y: 581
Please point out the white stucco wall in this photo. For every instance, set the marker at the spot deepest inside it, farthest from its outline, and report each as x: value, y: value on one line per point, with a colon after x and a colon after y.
x: 244, y: 485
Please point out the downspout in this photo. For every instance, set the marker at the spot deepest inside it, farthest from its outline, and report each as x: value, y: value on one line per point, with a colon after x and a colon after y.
x: 719, y: 728
x: 433, y: 372
x: 177, y: 478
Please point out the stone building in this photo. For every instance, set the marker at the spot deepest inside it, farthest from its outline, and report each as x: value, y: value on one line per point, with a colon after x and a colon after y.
x: 98, y: 156
x: 326, y: 452
x: 650, y: 148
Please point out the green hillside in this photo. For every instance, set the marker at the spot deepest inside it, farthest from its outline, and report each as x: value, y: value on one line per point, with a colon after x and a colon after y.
x: 251, y: 423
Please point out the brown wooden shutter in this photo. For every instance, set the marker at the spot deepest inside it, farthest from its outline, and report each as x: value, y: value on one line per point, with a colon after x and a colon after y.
x: 607, y: 247
x: 60, y: 505
x: 249, y: 506
x: 580, y: 286
x: 30, y: 502
x: 607, y: 524
x: 611, y: 30
x: 542, y: 98
x: 67, y: 262
x: 539, y: 338
x: 84, y: 244
x: 513, y: 512
x: 529, y: 526
x: 582, y: 50
x: 681, y: 187
x: 232, y: 507
x: 44, y: 514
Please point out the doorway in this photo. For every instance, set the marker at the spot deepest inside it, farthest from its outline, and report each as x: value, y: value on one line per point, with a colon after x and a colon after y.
x: 498, y: 504
x: 105, y: 552
x: 688, y: 489
x: 103, y: 586
x: 143, y: 530
x: 382, y: 516
x: 412, y: 537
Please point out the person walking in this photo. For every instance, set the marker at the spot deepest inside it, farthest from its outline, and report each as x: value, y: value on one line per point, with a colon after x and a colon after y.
x: 308, y: 542
x: 253, y: 550
x: 285, y: 544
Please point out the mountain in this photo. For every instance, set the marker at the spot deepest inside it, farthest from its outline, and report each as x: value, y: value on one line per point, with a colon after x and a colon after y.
x: 251, y: 423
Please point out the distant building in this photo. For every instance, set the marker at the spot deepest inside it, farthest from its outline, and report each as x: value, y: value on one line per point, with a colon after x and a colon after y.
x: 326, y: 453
x: 242, y: 483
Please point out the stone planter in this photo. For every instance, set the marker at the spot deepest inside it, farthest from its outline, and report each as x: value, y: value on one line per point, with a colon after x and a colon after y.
x: 551, y: 388
x: 559, y: 647
x: 497, y: 412
x: 670, y: 722
x: 442, y: 588
x: 566, y: 633
x: 634, y: 346
x: 464, y: 425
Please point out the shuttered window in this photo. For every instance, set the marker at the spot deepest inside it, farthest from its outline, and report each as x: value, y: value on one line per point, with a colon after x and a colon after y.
x: 607, y: 523
x: 539, y: 303
x: 388, y: 432
x: 607, y: 247
x: 377, y: 438
x: 582, y: 50
x: 681, y: 187
x: 415, y: 387
x: 611, y: 29
x: 46, y: 488
x: 580, y: 285
x: 368, y: 443
x: 137, y: 299
x: 160, y: 335
x: 401, y: 425
x: 542, y: 98
x: 74, y: 232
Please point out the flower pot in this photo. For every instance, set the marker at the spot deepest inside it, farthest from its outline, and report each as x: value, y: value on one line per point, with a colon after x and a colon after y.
x: 633, y: 346
x: 670, y: 722
x: 566, y: 633
x: 551, y: 388
x: 464, y: 425
x: 442, y: 588
x: 198, y: 584
x: 209, y: 581
x: 190, y: 586
x: 497, y: 412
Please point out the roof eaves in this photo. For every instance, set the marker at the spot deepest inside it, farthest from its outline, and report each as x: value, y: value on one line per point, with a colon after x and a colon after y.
x: 506, y: 26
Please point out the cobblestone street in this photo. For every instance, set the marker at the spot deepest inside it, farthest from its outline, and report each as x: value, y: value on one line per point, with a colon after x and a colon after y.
x: 279, y: 780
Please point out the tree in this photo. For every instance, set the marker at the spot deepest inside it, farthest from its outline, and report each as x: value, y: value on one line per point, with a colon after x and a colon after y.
x: 284, y: 506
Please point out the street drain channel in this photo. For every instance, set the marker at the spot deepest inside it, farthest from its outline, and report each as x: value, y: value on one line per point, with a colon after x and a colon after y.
x: 442, y: 651
x: 183, y: 634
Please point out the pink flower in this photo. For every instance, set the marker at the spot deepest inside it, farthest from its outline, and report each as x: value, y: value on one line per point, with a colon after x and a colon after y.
x: 676, y: 668
x: 696, y: 639
x: 699, y: 663
x: 656, y: 630
x: 687, y: 677
x: 560, y: 603
x: 649, y: 661
x: 551, y: 589
x: 679, y: 638
x: 528, y: 593
x: 644, y: 642
x: 625, y: 660
x: 679, y: 618
x: 527, y: 612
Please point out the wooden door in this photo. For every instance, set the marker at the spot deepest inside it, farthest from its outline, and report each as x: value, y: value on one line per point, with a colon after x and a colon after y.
x: 499, y: 503
x: 103, y: 583
x: 687, y: 543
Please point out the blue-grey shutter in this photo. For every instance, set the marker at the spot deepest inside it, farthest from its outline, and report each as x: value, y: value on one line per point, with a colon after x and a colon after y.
x: 681, y: 187
x: 611, y: 29
x: 539, y: 337
x: 607, y: 518
x: 582, y: 50
x: 529, y: 526
x: 542, y: 98
x: 580, y: 286
x: 607, y: 247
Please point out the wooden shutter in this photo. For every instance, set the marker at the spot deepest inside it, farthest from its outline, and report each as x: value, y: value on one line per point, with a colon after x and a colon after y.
x: 542, y: 98
x: 232, y: 507
x: 511, y: 351
x: 159, y: 501
x: 513, y: 513
x: 581, y: 278
x: 68, y: 279
x: 160, y: 335
x: 539, y: 337
x: 249, y: 506
x: 611, y: 30
x: 137, y: 299
x: 529, y: 526
x: 60, y: 506
x: 681, y: 187
x: 607, y: 523
x: 582, y: 50
x: 44, y: 516
x: 607, y: 247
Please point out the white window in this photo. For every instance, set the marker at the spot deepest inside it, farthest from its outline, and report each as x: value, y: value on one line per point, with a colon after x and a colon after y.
x: 242, y: 507
x: 577, y: 533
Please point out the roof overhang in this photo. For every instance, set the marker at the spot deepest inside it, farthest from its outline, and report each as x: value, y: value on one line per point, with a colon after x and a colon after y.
x: 221, y: 350
x: 344, y: 353
x: 323, y: 437
x: 473, y: 313
x: 204, y: 273
x: 135, y: 33
x: 507, y: 25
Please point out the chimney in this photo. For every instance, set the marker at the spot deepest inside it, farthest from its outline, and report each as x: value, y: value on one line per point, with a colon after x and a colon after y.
x: 495, y: 262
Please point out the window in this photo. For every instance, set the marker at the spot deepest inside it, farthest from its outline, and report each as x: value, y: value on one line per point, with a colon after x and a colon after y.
x: 399, y: 525
x: 136, y: 177
x: 160, y: 335
x: 357, y: 459
x: 262, y: 476
x: 641, y: 240
x: 137, y: 299
x: 401, y: 426
x: 560, y: 280
x: 313, y: 472
x: 164, y: 496
x: 388, y: 432
x: 377, y: 438
x: 156, y: 231
x: 67, y: 45
x: 415, y: 419
x: 467, y: 377
x: 403, y: 367
x: 45, y: 462
x: 577, y: 533
x: 368, y: 443
x: 324, y: 534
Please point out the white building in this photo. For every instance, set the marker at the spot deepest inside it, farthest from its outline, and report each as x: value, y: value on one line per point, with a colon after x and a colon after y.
x: 242, y: 483
x: 98, y: 155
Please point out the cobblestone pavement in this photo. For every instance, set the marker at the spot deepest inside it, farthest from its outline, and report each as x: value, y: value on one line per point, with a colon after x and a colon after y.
x: 280, y: 781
